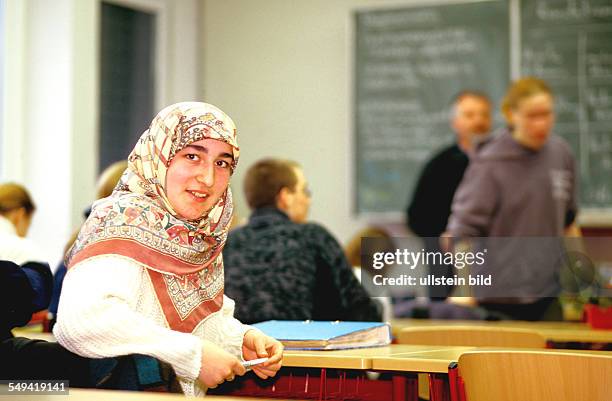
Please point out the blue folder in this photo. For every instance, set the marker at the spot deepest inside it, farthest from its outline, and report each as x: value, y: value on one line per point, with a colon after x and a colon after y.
x: 325, y: 335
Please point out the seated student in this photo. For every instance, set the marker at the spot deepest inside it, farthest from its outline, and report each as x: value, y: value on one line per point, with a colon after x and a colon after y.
x: 16, y: 211
x: 22, y: 358
x: 23, y: 291
x: 402, y: 303
x: 280, y: 267
x: 27, y: 359
x: 352, y: 250
x: 145, y: 275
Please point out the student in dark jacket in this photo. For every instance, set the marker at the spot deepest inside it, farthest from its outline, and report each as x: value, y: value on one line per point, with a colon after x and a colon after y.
x: 279, y: 266
x: 428, y: 212
x: 23, y: 290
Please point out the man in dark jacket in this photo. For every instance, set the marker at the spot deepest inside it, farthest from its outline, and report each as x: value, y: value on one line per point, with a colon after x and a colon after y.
x: 279, y: 266
x: 432, y: 198
x: 23, y: 290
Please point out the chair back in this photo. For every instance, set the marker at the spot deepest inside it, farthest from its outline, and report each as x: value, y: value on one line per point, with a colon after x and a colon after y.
x: 536, y: 375
x: 477, y: 336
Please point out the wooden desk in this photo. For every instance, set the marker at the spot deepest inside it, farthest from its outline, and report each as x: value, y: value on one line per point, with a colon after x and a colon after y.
x: 553, y: 331
x: 583, y: 335
x: 318, y: 374
x: 360, y: 359
x: 606, y: 354
x: 34, y: 335
x: 394, y: 358
x: 432, y: 361
x: 437, y: 361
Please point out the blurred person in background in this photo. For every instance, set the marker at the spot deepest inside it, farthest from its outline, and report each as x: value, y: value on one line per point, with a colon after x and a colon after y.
x: 521, y: 184
x: 353, y: 253
x: 428, y: 212
x: 16, y: 212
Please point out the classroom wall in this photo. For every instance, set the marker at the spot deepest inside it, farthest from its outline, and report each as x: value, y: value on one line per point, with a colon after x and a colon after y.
x: 50, y: 101
x: 50, y: 106
x: 283, y: 70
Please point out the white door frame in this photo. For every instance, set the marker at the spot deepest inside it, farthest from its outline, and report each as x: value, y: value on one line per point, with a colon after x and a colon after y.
x: 161, y: 23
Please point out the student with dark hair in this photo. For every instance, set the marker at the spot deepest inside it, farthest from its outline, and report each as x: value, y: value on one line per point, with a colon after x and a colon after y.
x: 279, y: 266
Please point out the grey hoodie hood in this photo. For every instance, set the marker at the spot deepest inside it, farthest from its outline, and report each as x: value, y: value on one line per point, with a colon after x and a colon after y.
x: 502, y: 146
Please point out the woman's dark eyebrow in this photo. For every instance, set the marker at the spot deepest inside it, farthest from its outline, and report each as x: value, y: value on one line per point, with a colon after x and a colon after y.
x: 205, y: 150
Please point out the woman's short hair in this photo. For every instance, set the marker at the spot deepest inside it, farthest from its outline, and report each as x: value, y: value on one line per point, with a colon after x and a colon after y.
x: 265, y: 179
x: 14, y: 196
x: 520, y: 90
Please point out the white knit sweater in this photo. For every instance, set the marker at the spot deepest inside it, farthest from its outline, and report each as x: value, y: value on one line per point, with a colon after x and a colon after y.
x: 108, y: 307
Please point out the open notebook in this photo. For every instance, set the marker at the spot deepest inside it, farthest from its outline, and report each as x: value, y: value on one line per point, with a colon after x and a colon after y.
x: 318, y: 335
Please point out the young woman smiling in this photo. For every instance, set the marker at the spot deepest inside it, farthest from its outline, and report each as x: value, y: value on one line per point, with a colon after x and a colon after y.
x: 145, y: 275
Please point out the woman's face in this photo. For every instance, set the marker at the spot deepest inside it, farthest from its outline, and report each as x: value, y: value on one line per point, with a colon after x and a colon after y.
x: 198, y: 176
x: 533, y: 119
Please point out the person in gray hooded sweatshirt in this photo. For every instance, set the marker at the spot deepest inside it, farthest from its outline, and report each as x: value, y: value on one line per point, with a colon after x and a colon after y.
x: 520, y: 184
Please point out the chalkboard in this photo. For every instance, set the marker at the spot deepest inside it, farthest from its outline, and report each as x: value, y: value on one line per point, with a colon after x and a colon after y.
x: 409, y: 63
x: 569, y: 44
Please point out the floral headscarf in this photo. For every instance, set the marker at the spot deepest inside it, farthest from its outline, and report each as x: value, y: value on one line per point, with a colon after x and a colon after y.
x: 182, y: 257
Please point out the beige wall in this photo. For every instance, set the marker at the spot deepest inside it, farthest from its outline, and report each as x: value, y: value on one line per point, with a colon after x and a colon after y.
x: 50, y: 100
x: 282, y: 69
x: 50, y: 112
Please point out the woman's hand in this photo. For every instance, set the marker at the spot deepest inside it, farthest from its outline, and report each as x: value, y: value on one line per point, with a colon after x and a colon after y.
x: 218, y: 365
x: 258, y: 345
